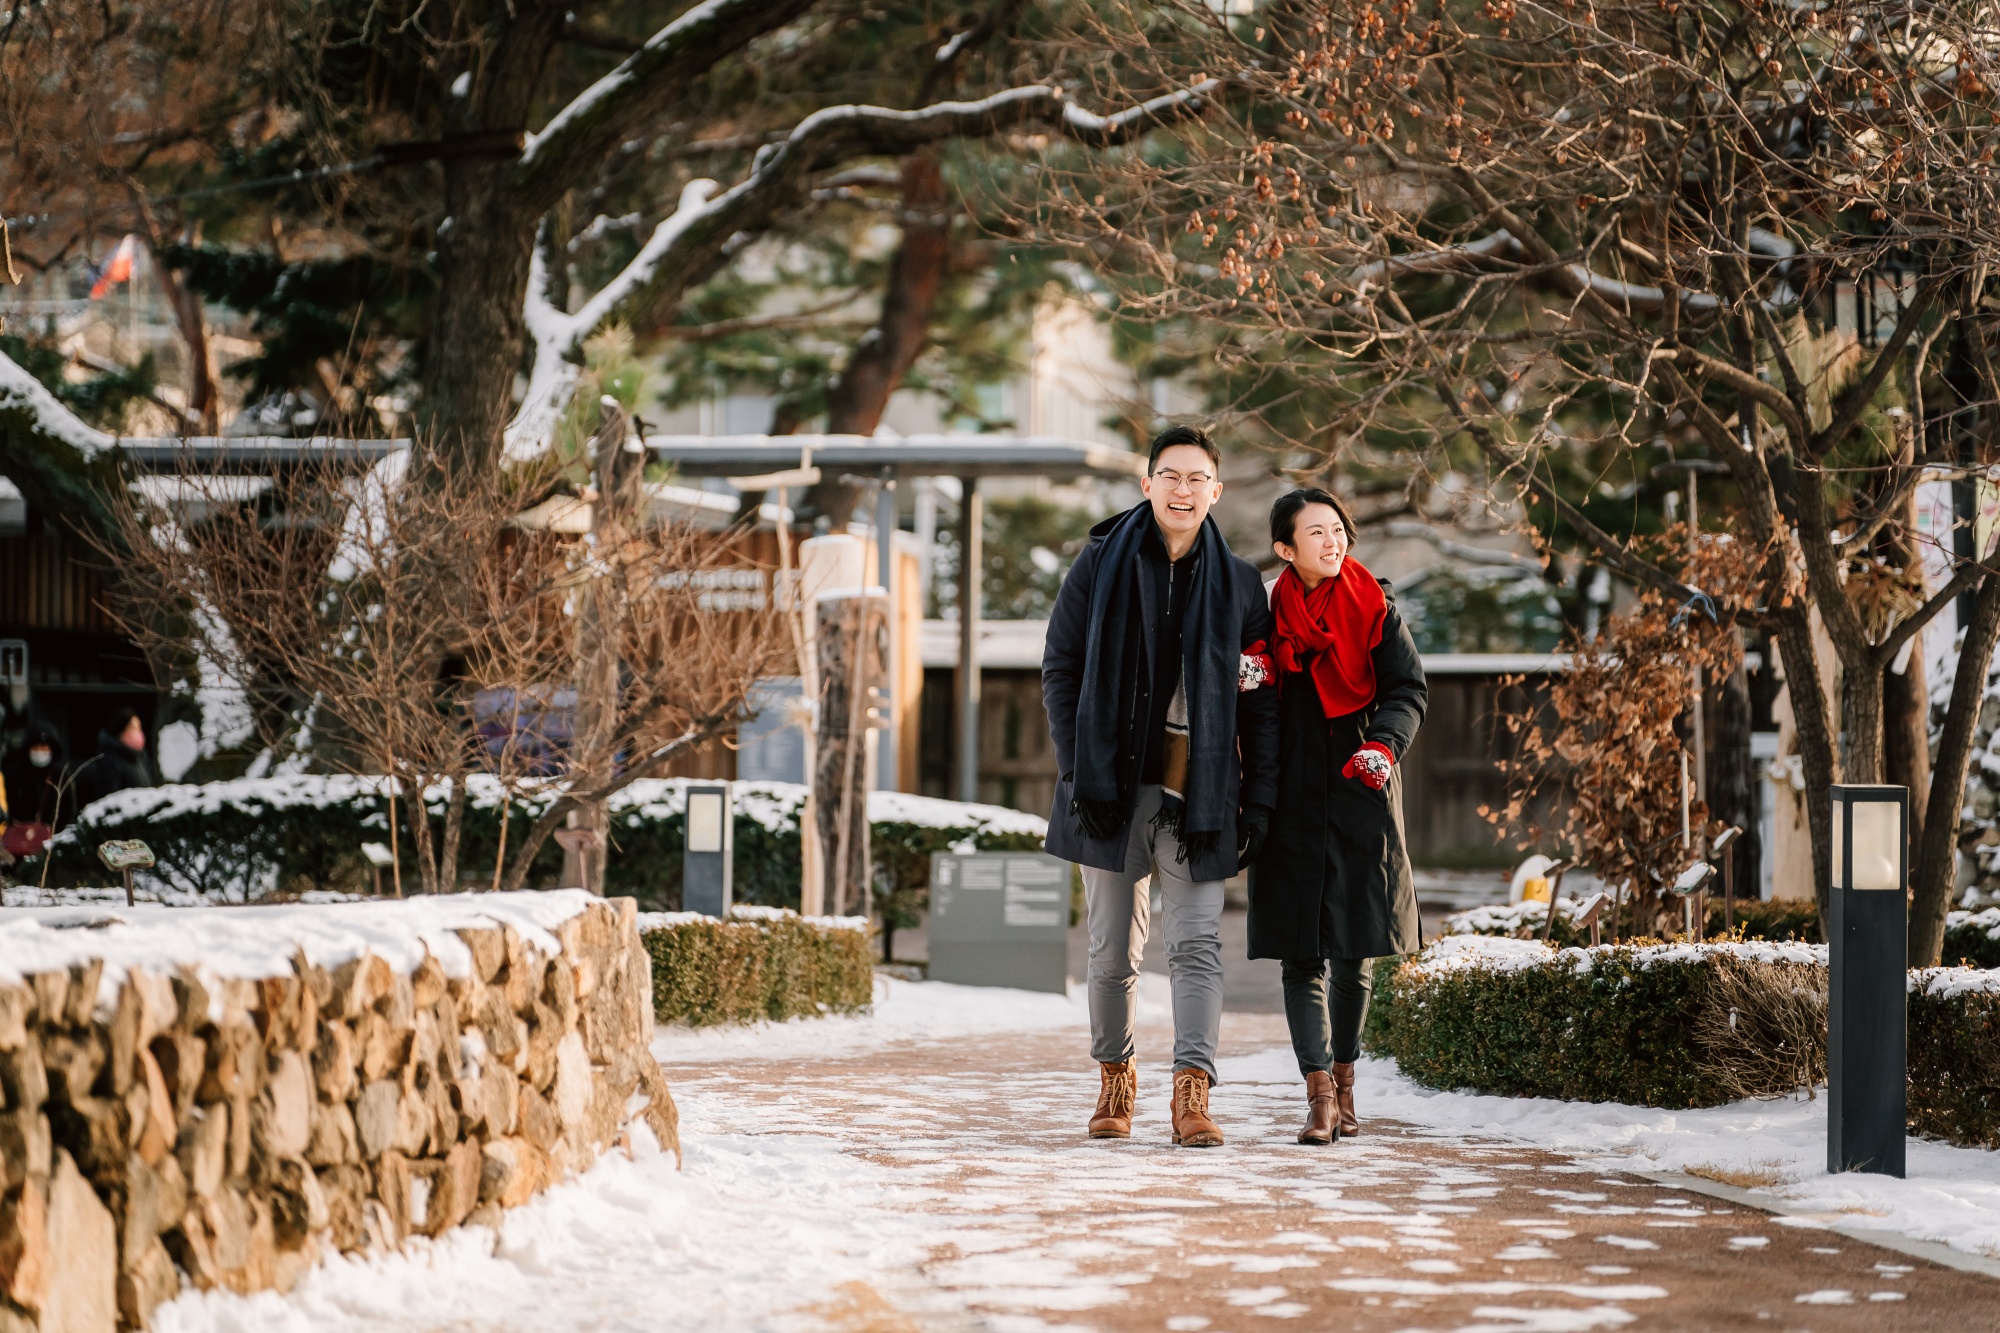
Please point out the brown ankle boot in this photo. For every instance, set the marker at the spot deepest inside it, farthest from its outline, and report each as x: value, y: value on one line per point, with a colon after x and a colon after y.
x: 1113, y: 1117
x: 1343, y: 1086
x: 1192, y: 1127
x: 1322, y: 1116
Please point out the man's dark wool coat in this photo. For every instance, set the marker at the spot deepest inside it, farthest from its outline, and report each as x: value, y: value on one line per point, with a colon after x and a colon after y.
x: 1334, y: 877
x: 1252, y: 780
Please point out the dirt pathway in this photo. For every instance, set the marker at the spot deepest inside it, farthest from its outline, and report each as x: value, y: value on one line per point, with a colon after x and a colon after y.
x: 1037, y: 1227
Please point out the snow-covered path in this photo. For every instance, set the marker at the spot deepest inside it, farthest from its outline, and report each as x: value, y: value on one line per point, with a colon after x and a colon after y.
x: 925, y: 1169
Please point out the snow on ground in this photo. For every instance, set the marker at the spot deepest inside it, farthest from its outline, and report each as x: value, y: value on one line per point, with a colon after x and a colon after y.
x: 1951, y: 1195
x: 775, y: 1225
x: 261, y: 940
x: 904, y: 1011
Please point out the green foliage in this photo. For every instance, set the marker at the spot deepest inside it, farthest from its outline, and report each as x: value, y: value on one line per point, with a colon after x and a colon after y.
x: 1030, y: 544
x: 744, y: 971
x: 1452, y: 611
x: 307, y: 310
x: 1616, y: 1033
x: 101, y: 400
x: 1954, y: 1052
x: 611, y: 369
x: 246, y: 843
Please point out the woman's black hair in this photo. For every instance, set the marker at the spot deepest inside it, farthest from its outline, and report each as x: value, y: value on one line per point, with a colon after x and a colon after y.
x: 1285, y: 513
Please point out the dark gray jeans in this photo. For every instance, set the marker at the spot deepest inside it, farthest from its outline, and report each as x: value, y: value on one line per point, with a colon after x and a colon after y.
x: 1326, y: 1017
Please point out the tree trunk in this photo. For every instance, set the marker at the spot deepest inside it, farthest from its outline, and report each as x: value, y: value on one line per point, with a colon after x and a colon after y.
x: 1861, y: 722
x: 599, y: 624
x: 848, y: 626
x: 1937, y: 854
x: 1906, y: 735
x: 1731, y: 774
x: 419, y: 812
x: 454, y: 825
x: 203, y: 407
x: 477, y: 334
x: 1820, y: 765
x: 884, y: 355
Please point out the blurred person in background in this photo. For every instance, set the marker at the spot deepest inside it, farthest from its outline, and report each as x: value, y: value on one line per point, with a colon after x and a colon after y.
x: 121, y: 761
x: 39, y: 800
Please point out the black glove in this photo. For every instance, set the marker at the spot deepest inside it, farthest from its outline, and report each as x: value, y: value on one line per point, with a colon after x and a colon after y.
x: 1252, y: 827
x: 1099, y: 819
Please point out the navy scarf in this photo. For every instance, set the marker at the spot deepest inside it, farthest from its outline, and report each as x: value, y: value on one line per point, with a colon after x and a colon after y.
x: 1107, y: 752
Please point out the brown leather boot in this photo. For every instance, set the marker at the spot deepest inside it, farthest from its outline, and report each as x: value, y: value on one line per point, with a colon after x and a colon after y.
x: 1113, y: 1117
x: 1343, y: 1086
x: 1192, y: 1127
x: 1322, y: 1115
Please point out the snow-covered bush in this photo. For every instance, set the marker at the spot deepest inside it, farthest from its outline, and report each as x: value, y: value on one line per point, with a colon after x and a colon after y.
x: 251, y: 838
x: 1779, y: 919
x: 1673, y: 1025
x: 762, y: 963
x: 1954, y: 1044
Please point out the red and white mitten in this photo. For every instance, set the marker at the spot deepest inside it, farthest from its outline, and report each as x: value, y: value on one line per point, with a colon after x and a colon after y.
x: 1371, y: 763
x: 1256, y: 668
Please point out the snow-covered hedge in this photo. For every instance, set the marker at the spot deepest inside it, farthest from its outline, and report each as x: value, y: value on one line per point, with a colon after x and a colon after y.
x: 1674, y: 1025
x: 763, y: 963
x: 1954, y: 1041
x: 1775, y: 920
x: 254, y: 836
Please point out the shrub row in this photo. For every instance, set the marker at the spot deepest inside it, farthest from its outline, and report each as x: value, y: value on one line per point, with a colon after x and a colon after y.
x: 1673, y: 1025
x: 1971, y: 938
x: 1954, y: 1042
x: 1660, y: 1025
x: 252, y: 838
x: 762, y: 963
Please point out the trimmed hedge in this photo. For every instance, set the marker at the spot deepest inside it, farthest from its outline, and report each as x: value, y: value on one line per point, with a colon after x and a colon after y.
x: 1675, y: 1025
x: 760, y: 964
x: 1954, y: 1041
x: 1659, y: 1025
x: 1969, y: 937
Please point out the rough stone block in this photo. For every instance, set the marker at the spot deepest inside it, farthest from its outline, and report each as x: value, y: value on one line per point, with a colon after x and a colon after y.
x: 334, y: 1059
x: 24, y: 1077
x: 489, y: 950
x: 570, y: 1090
x: 80, y: 1006
x: 182, y: 1060
x: 512, y: 1171
x: 281, y: 1120
x: 155, y: 1130
x: 538, y: 1121
x: 203, y: 1149
x: 17, y: 1003
x: 427, y: 983
x: 335, y: 1141
x: 149, y: 1281
x: 24, y: 1244
x: 83, y: 1256
x: 345, y: 1189
x: 25, y: 1147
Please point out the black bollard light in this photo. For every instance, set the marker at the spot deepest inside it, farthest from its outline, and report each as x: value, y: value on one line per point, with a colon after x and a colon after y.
x: 707, y: 867
x: 1868, y: 943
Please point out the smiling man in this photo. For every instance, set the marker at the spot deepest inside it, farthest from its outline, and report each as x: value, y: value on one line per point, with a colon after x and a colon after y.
x: 1168, y: 754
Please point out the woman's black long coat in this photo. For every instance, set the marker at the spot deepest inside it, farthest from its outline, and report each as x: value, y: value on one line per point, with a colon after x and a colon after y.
x: 1334, y: 880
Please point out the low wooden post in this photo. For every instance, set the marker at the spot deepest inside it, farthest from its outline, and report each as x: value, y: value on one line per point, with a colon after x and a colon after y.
x: 1724, y: 847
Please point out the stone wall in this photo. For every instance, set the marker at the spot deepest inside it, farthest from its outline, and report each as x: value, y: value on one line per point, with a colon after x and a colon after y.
x: 219, y: 1096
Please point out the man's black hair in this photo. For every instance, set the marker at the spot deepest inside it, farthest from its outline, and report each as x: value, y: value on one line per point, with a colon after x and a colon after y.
x: 1174, y: 435
x: 1285, y: 513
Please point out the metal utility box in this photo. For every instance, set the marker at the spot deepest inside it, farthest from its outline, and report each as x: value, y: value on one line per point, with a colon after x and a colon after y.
x: 709, y: 855
x: 1000, y: 919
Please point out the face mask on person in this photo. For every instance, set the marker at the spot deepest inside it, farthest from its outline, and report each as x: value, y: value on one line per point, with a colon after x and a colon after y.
x: 40, y: 756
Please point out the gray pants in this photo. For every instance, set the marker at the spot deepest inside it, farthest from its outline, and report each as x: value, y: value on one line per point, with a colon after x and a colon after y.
x: 1117, y: 908
x: 1326, y: 1019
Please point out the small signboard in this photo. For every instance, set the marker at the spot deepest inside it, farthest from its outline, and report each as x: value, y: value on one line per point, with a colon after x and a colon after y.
x: 1000, y: 919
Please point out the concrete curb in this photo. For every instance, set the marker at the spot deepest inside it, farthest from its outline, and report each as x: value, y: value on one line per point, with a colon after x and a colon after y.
x: 1771, y: 1203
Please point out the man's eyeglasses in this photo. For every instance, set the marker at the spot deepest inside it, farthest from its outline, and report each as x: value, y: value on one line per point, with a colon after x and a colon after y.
x: 1173, y: 481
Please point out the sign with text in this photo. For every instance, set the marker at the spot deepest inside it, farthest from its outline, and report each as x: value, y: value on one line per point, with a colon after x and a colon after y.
x: 1000, y: 919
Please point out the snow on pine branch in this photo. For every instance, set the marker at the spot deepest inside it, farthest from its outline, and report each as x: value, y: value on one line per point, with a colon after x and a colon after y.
x: 814, y: 143
x: 558, y: 336
x: 22, y: 392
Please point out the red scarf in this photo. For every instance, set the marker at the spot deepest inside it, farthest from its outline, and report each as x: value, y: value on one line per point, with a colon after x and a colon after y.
x: 1331, y: 632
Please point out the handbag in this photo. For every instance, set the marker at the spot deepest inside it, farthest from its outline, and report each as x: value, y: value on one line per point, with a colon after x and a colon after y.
x: 26, y: 838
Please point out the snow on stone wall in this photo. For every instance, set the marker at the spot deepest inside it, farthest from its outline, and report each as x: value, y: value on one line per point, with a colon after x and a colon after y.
x: 219, y: 1095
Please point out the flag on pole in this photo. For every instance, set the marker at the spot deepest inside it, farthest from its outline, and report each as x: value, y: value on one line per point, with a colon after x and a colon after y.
x: 118, y: 268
